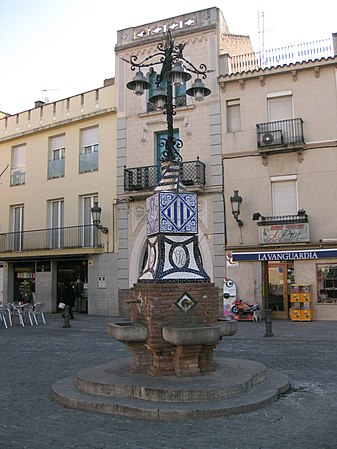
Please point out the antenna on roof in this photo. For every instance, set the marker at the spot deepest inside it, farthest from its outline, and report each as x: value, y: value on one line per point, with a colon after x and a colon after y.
x: 260, y: 24
x: 44, y: 98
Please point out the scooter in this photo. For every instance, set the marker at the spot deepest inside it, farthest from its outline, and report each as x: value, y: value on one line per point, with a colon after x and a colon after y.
x: 241, y: 310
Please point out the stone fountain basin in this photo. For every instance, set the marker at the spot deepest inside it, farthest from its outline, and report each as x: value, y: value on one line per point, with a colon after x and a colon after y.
x: 227, y: 327
x: 191, y: 335
x: 127, y: 331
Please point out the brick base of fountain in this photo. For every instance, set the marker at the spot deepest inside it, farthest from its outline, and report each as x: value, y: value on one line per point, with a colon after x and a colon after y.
x: 182, y: 328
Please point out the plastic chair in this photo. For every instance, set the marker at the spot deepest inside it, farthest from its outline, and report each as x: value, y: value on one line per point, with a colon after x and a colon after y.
x: 16, y: 312
x: 38, y: 308
x: 3, y: 311
x: 27, y: 313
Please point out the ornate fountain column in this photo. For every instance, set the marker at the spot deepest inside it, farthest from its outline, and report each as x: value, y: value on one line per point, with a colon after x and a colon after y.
x: 174, y: 297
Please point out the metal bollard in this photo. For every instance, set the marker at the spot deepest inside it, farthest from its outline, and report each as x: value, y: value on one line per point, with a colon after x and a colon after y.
x: 268, y: 321
x: 66, y: 317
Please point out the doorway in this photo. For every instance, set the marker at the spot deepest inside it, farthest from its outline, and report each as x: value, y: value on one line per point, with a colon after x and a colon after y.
x: 75, y: 272
x: 278, y: 278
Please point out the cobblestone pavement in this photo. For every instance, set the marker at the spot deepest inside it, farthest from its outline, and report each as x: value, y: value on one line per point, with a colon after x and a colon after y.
x: 33, y: 358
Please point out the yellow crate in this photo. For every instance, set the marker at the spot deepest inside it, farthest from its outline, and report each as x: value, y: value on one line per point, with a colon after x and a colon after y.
x: 305, y: 315
x: 294, y: 297
x: 295, y: 315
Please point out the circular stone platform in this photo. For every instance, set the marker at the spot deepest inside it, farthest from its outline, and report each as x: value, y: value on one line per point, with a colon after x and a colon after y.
x: 237, y: 386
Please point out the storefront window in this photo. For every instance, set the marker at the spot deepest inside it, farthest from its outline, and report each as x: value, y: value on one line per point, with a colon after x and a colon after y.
x: 327, y: 284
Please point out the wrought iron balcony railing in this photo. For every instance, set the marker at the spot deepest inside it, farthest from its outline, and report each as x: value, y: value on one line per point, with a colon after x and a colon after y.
x: 192, y: 173
x: 86, y: 236
x: 280, y: 133
x: 300, y: 217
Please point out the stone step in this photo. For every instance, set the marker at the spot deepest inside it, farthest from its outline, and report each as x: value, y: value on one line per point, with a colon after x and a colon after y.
x: 258, y: 395
x: 232, y: 378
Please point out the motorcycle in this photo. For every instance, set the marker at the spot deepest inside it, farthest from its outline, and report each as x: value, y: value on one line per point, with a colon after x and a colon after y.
x: 242, y: 310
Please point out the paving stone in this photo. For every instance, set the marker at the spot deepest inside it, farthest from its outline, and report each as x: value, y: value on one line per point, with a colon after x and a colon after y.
x: 34, y: 358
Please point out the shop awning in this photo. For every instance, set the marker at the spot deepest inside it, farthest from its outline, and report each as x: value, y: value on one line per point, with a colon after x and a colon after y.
x: 284, y: 255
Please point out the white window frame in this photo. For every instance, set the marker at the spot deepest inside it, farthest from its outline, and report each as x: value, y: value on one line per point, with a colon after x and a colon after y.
x: 17, y: 226
x: 57, y: 147
x: 89, y: 143
x: 89, y: 235
x: 278, y: 95
x: 233, y: 116
x: 57, y: 236
x: 278, y: 180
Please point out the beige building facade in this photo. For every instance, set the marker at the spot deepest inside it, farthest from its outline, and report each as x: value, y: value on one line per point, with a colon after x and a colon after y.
x: 267, y: 130
x: 58, y: 159
x: 279, y: 142
x: 140, y: 129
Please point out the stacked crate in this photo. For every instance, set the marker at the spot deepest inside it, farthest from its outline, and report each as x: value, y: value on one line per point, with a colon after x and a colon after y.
x: 300, y: 303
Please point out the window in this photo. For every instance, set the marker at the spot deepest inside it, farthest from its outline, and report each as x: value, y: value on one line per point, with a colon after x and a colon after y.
x: 89, y: 150
x: 56, y: 211
x: 56, y: 156
x: 179, y: 92
x: 18, y: 170
x: 90, y: 232
x: 17, y: 227
x: 280, y: 106
x: 327, y: 284
x: 233, y: 116
x: 284, y: 195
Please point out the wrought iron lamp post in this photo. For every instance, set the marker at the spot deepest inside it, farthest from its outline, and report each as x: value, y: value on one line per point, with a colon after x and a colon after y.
x: 236, y: 201
x: 171, y: 212
x: 175, y: 71
x: 96, y: 218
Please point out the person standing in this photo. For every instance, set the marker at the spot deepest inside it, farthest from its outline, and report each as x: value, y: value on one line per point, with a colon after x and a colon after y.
x: 68, y: 296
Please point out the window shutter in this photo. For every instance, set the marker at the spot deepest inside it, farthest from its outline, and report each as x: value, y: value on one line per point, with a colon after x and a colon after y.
x: 284, y: 198
x: 280, y: 108
x: 90, y: 136
x: 19, y: 157
x: 57, y: 142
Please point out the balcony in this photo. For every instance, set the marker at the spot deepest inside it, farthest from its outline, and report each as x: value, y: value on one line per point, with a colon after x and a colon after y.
x: 193, y: 174
x: 73, y: 237
x: 276, y: 57
x: 280, y: 136
x: 88, y: 162
x: 56, y: 168
x: 18, y: 176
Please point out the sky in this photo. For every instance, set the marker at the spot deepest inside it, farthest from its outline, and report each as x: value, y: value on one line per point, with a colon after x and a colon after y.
x: 56, y: 49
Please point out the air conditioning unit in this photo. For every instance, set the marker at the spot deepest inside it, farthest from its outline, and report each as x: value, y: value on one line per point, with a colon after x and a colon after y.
x: 269, y: 138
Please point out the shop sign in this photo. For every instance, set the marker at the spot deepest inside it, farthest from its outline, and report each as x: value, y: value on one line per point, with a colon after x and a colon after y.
x: 283, y: 256
x: 284, y: 233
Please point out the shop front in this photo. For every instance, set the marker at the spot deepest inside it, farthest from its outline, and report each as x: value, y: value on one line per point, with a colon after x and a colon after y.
x: 42, y: 280
x: 285, y: 273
